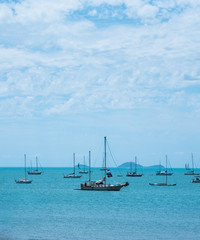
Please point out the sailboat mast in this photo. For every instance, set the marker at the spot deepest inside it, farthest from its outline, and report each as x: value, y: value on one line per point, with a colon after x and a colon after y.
x: 135, y: 164
x: 25, y: 165
x: 36, y: 163
x: 89, y: 166
x: 166, y: 169
x: 131, y: 166
x: 31, y: 164
x: 105, y: 156
x: 192, y: 163
x: 74, y: 162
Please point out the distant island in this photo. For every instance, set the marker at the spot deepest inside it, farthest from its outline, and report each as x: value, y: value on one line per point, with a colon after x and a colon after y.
x: 127, y: 165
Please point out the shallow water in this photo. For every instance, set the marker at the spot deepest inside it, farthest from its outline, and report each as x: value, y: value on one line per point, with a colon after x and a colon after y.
x: 50, y: 208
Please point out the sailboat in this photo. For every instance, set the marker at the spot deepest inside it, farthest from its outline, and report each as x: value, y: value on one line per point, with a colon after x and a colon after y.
x: 163, y: 173
x: 163, y: 184
x: 192, y: 171
x: 101, y: 185
x: 83, y: 171
x: 196, y: 180
x: 24, y: 180
x: 36, y: 171
x: 187, y: 166
x: 73, y: 175
x: 131, y: 173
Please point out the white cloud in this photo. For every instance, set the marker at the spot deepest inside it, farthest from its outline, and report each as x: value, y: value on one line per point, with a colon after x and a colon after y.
x: 39, y: 11
x: 92, y: 13
x: 62, y: 61
x: 5, y: 12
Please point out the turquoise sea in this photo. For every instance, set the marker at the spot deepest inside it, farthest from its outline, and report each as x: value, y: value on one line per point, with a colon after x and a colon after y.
x: 50, y: 208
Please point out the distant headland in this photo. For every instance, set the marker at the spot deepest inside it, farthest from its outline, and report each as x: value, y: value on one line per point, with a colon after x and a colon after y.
x: 127, y: 165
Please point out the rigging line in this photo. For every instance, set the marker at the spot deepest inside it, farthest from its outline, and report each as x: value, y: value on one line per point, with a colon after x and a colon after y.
x: 40, y: 166
x: 170, y: 165
x: 114, y: 161
x: 98, y: 153
x: 96, y: 157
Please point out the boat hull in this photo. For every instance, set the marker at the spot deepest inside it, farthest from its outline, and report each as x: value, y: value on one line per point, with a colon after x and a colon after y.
x: 191, y: 173
x: 162, y: 184
x: 83, y: 172
x: 78, y: 176
x: 195, y: 180
x: 34, y: 173
x: 164, y: 174
x: 134, y: 175
x: 102, y: 188
x: 23, y: 181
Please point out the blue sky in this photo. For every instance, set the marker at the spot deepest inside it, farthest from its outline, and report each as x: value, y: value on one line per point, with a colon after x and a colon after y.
x: 74, y: 71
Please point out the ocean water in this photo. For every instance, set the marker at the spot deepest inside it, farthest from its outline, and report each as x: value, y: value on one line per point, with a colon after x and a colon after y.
x: 50, y: 208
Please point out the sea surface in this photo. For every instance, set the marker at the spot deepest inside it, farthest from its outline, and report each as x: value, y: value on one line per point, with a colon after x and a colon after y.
x: 50, y: 208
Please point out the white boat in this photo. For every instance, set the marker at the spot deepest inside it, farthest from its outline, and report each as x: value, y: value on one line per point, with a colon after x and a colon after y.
x: 163, y: 173
x: 101, y: 185
x: 131, y: 173
x: 83, y: 171
x: 166, y: 183
x: 73, y: 175
x: 192, y: 172
x: 24, y: 180
x: 36, y: 171
x: 196, y: 180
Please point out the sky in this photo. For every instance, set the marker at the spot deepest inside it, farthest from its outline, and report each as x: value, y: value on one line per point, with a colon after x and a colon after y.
x: 74, y: 71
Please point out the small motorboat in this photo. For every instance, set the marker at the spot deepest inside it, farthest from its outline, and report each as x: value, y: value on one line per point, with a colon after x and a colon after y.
x: 196, y: 180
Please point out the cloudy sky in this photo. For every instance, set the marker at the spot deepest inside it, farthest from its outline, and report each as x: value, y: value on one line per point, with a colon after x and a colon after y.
x: 72, y: 71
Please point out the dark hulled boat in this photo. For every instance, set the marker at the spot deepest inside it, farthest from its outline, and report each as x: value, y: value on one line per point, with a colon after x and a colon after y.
x: 101, y: 185
x: 131, y: 173
x: 36, y: 171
